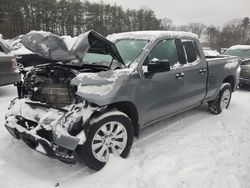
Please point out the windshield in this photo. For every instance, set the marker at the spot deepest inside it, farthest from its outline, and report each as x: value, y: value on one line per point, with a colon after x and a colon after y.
x: 242, y: 53
x: 94, y: 58
x: 129, y: 49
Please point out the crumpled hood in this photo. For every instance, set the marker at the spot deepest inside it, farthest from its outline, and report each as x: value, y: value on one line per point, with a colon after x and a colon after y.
x: 66, y: 48
x: 95, y: 87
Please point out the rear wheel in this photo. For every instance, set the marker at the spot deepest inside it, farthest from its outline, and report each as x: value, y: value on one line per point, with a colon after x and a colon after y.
x: 111, y: 133
x: 222, y: 101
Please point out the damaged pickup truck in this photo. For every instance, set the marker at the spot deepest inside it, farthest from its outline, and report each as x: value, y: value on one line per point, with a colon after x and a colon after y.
x: 100, y: 92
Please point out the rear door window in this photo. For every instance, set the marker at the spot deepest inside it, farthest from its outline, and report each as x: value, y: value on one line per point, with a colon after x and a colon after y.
x: 191, y: 51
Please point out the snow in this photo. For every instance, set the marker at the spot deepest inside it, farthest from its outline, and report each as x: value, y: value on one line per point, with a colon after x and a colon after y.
x: 2, y: 54
x: 49, y: 119
x: 99, y: 84
x: 194, y: 149
x: 232, y: 63
x: 240, y: 47
x: 69, y: 41
x: 101, y: 90
x: 209, y: 52
x: 150, y: 35
x: 22, y: 51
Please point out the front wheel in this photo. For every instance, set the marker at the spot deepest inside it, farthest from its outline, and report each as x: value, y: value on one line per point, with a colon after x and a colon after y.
x: 222, y: 101
x: 110, y: 133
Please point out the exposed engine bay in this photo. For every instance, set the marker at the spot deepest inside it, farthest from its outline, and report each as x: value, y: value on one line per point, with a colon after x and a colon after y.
x: 50, y: 84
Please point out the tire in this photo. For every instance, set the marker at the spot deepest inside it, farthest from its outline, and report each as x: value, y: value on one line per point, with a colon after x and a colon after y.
x: 222, y: 100
x: 111, y: 132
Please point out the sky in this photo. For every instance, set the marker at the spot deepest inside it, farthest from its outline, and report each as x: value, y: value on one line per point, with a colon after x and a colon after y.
x: 182, y: 12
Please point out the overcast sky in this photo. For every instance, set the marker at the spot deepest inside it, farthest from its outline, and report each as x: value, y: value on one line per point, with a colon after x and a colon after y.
x: 215, y: 12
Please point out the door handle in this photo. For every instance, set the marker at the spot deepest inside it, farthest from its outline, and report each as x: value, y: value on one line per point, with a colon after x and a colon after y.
x: 179, y: 75
x: 202, y: 71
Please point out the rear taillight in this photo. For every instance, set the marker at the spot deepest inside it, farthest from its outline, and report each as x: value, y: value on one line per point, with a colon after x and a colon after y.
x: 14, y: 63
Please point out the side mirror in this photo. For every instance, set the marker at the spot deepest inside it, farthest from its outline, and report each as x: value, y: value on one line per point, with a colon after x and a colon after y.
x: 158, y: 66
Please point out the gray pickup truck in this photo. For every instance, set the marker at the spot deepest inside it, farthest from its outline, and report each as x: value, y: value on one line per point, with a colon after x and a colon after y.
x: 104, y: 91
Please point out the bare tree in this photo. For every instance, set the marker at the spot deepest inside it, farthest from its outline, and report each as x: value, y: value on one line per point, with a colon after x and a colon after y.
x: 212, y: 34
x: 231, y: 33
x: 197, y: 28
x: 246, y: 28
x: 183, y: 28
x: 167, y: 24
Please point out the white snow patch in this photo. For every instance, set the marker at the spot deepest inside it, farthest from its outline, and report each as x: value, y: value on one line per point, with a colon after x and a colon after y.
x: 194, y: 149
x: 150, y: 35
x: 69, y: 41
x: 240, y: 47
x: 209, y: 52
x: 22, y: 51
x: 82, y: 137
x: 49, y: 118
x: 95, y: 90
x: 232, y: 63
x: 2, y: 54
x: 100, y: 84
x: 1, y: 164
x: 40, y: 149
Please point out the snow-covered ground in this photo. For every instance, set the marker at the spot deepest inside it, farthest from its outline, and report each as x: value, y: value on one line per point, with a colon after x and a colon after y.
x: 194, y: 149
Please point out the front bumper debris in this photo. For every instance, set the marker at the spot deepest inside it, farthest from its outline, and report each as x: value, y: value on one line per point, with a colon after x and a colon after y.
x: 48, y: 130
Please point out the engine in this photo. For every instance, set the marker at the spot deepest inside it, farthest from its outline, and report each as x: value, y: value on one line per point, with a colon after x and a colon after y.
x: 49, y: 84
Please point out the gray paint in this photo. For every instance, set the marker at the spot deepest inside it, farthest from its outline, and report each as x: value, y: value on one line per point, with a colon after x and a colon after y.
x: 163, y: 95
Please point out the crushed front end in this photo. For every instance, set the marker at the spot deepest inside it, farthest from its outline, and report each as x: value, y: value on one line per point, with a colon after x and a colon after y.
x: 47, y: 115
x: 56, y: 100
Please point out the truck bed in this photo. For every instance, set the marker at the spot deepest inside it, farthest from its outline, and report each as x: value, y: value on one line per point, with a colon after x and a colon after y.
x: 221, y: 67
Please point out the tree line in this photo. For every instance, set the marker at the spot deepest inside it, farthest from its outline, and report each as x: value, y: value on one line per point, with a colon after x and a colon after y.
x: 73, y: 17
x: 234, y: 32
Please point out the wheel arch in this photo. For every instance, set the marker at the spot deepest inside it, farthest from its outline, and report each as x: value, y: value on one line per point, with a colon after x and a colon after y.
x: 130, y: 110
x: 231, y: 80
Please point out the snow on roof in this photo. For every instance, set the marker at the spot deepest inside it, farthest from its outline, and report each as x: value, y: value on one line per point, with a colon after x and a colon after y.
x: 151, y: 35
x: 240, y: 47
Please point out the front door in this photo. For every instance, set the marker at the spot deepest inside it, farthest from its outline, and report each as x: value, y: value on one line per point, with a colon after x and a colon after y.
x: 161, y: 94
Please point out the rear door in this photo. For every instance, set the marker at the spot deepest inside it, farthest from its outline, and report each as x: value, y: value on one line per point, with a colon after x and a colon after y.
x: 195, y: 70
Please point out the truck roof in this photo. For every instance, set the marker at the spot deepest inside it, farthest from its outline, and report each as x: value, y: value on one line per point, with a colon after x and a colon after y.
x: 151, y: 35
